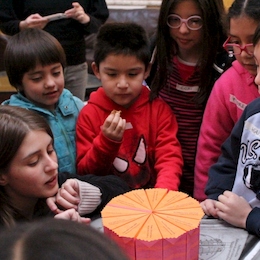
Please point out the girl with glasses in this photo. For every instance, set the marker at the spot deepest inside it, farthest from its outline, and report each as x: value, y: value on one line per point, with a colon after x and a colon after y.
x: 233, y: 188
x: 189, y: 57
x: 232, y: 91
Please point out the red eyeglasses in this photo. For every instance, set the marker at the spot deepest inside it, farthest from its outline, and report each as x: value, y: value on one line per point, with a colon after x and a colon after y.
x: 236, y: 49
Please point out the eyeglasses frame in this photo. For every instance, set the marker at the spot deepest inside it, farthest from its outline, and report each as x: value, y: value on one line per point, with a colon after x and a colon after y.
x: 225, y: 44
x: 184, y: 21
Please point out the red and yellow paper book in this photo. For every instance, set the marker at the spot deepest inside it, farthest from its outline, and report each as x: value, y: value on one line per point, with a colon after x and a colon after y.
x: 154, y: 224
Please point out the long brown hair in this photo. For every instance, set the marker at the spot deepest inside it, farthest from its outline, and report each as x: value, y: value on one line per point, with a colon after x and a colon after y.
x: 212, y: 40
x: 15, y: 124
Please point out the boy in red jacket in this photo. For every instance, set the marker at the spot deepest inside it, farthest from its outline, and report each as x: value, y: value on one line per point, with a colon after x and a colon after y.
x: 137, y: 141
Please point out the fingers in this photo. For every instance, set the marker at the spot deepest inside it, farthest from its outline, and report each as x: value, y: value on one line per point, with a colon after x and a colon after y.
x: 73, y: 215
x: 85, y: 220
x: 71, y: 186
x: 225, y: 203
x: 112, y: 120
x: 209, y: 207
x: 34, y: 21
x: 77, y: 13
x: 117, y: 121
x: 114, y: 127
x: 76, y: 4
x: 52, y: 205
x: 233, y: 209
x: 228, y: 200
x: 204, y: 208
x: 66, y: 198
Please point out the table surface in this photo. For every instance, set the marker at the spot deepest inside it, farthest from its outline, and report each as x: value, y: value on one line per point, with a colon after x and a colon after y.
x: 251, y: 250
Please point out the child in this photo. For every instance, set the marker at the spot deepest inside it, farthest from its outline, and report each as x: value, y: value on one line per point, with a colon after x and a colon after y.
x: 34, y: 62
x: 188, y: 49
x: 234, y: 180
x: 57, y: 239
x: 29, y: 174
x: 82, y: 18
x: 137, y: 141
x: 232, y: 91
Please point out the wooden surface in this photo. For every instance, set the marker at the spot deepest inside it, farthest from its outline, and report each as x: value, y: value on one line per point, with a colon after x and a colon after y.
x: 6, y: 90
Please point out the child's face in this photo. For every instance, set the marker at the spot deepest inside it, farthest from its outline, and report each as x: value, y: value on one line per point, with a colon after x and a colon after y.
x: 242, y: 31
x: 122, y: 77
x: 44, y: 85
x: 257, y: 61
x: 33, y: 172
x: 188, y: 41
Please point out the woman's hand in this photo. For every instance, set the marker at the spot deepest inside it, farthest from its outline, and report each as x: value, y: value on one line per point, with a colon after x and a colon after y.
x: 233, y: 209
x: 67, y: 197
x: 33, y: 21
x: 77, y: 13
x: 72, y: 214
x: 114, y: 127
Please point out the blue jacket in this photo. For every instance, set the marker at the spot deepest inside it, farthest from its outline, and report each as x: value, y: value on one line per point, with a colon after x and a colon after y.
x: 62, y: 122
x: 238, y: 167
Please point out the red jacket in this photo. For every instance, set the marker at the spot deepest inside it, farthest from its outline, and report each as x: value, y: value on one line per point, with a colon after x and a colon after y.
x: 149, y: 154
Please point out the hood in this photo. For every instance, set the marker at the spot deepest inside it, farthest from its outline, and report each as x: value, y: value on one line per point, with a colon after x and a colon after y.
x: 19, y: 100
x: 100, y: 99
x: 64, y: 104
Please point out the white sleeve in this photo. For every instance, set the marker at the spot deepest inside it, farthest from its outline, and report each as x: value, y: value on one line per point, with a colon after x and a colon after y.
x: 90, y: 197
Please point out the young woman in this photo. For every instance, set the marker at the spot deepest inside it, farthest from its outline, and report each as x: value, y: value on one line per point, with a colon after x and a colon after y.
x: 29, y: 174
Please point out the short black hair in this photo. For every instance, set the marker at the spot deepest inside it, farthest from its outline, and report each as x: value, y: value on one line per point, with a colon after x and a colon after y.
x: 122, y: 38
x: 28, y: 48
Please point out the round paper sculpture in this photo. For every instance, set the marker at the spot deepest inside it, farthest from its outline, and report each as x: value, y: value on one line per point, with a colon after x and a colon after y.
x: 154, y: 224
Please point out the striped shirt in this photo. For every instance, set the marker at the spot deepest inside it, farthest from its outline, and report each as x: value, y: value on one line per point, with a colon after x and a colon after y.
x: 182, y: 86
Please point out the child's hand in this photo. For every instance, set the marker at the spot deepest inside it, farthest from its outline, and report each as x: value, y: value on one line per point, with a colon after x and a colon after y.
x: 67, y: 197
x: 233, y: 209
x: 114, y: 127
x: 33, y: 21
x: 77, y: 13
x: 72, y: 214
x: 209, y: 207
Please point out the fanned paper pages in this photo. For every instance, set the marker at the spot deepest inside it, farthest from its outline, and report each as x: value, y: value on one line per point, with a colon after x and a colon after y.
x: 154, y: 224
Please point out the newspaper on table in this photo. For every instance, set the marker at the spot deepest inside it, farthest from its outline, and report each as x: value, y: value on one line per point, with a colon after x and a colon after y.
x: 220, y: 240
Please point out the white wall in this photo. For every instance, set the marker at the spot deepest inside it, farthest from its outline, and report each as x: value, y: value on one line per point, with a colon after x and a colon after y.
x: 133, y: 3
